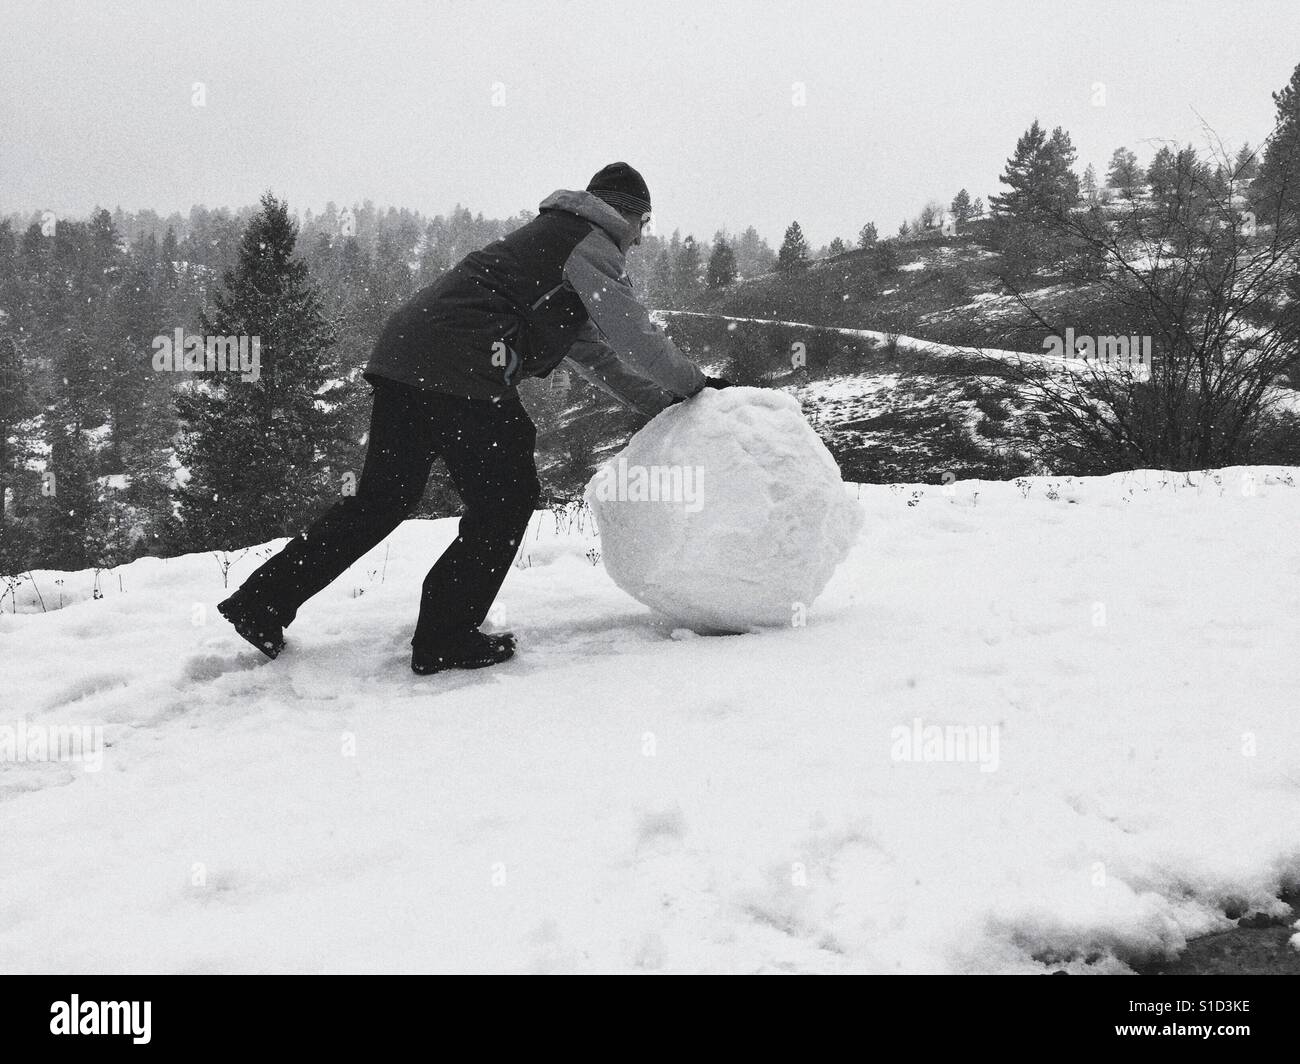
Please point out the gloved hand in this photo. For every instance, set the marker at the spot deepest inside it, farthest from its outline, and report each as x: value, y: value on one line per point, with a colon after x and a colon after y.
x: 709, y: 382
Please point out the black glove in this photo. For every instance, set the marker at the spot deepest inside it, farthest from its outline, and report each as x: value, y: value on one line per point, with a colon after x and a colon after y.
x: 717, y: 382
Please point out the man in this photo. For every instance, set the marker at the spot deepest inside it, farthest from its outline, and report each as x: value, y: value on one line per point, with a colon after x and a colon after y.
x: 444, y: 373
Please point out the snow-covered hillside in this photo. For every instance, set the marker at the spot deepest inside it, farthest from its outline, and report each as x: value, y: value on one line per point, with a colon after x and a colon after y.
x: 1036, y: 724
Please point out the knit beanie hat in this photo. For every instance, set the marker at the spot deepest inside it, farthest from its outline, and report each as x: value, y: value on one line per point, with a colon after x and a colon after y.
x: 622, y: 188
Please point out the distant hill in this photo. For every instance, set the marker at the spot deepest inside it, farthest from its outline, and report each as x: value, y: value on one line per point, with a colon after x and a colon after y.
x: 940, y: 287
x: 904, y: 354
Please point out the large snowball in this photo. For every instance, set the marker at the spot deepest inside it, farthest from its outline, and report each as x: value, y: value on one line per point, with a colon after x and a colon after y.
x: 725, y: 513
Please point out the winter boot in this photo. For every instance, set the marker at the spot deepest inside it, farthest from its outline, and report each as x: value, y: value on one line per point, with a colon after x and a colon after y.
x: 257, y: 626
x: 474, y: 650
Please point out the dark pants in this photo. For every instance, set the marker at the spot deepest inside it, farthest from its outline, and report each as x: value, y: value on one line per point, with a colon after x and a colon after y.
x: 488, y: 449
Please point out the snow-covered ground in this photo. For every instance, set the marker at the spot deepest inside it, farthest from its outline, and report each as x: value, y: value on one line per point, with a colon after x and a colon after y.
x: 617, y: 799
x: 862, y: 393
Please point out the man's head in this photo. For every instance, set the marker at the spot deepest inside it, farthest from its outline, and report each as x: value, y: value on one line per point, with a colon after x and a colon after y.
x: 624, y: 189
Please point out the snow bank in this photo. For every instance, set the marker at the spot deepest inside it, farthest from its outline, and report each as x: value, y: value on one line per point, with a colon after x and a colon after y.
x: 725, y: 513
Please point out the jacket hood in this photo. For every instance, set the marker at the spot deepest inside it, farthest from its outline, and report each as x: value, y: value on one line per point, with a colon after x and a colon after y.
x: 596, y: 210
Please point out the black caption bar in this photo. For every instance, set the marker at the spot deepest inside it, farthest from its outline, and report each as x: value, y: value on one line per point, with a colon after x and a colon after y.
x: 151, y: 1014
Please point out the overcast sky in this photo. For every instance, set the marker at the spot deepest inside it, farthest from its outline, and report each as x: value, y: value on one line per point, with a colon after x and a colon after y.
x: 398, y: 102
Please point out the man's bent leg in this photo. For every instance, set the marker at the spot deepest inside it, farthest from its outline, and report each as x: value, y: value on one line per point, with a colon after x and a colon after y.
x: 492, y: 464
x: 399, y: 455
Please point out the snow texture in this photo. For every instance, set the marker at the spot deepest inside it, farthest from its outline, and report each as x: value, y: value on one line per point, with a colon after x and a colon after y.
x: 616, y: 800
x: 725, y: 513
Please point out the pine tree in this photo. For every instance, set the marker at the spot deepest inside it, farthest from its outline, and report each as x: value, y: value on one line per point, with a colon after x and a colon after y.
x: 141, y: 408
x: 1276, y: 190
x: 754, y: 255
x: 886, y: 257
x: 1024, y: 173
x: 794, y: 249
x: 722, y: 265
x: 1089, y: 184
x: 1124, y: 175
x: 836, y: 247
x: 1193, y: 183
x: 686, y: 270
x: 168, y: 253
x: 15, y: 406
x: 977, y: 208
x: 1039, y: 175
x: 1063, y: 158
x: 1162, y: 175
x: 9, y: 290
x: 67, y: 515
x: 867, y: 235
x: 258, y: 451
x: 961, y: 207
x: 904, y: 229
x: 662, y: 286
x: 137, y: 316
x: 1245, y: 167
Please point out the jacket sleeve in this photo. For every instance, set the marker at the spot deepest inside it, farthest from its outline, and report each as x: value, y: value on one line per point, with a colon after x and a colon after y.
x: 597, y: 362
x: 595, y: 270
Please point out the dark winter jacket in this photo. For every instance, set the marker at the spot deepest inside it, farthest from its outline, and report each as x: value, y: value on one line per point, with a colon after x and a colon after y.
x: 556, y: 288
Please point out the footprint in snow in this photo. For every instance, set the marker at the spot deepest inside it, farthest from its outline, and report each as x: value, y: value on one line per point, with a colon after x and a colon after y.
x: 85, y: 686
x: 199, y: 668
